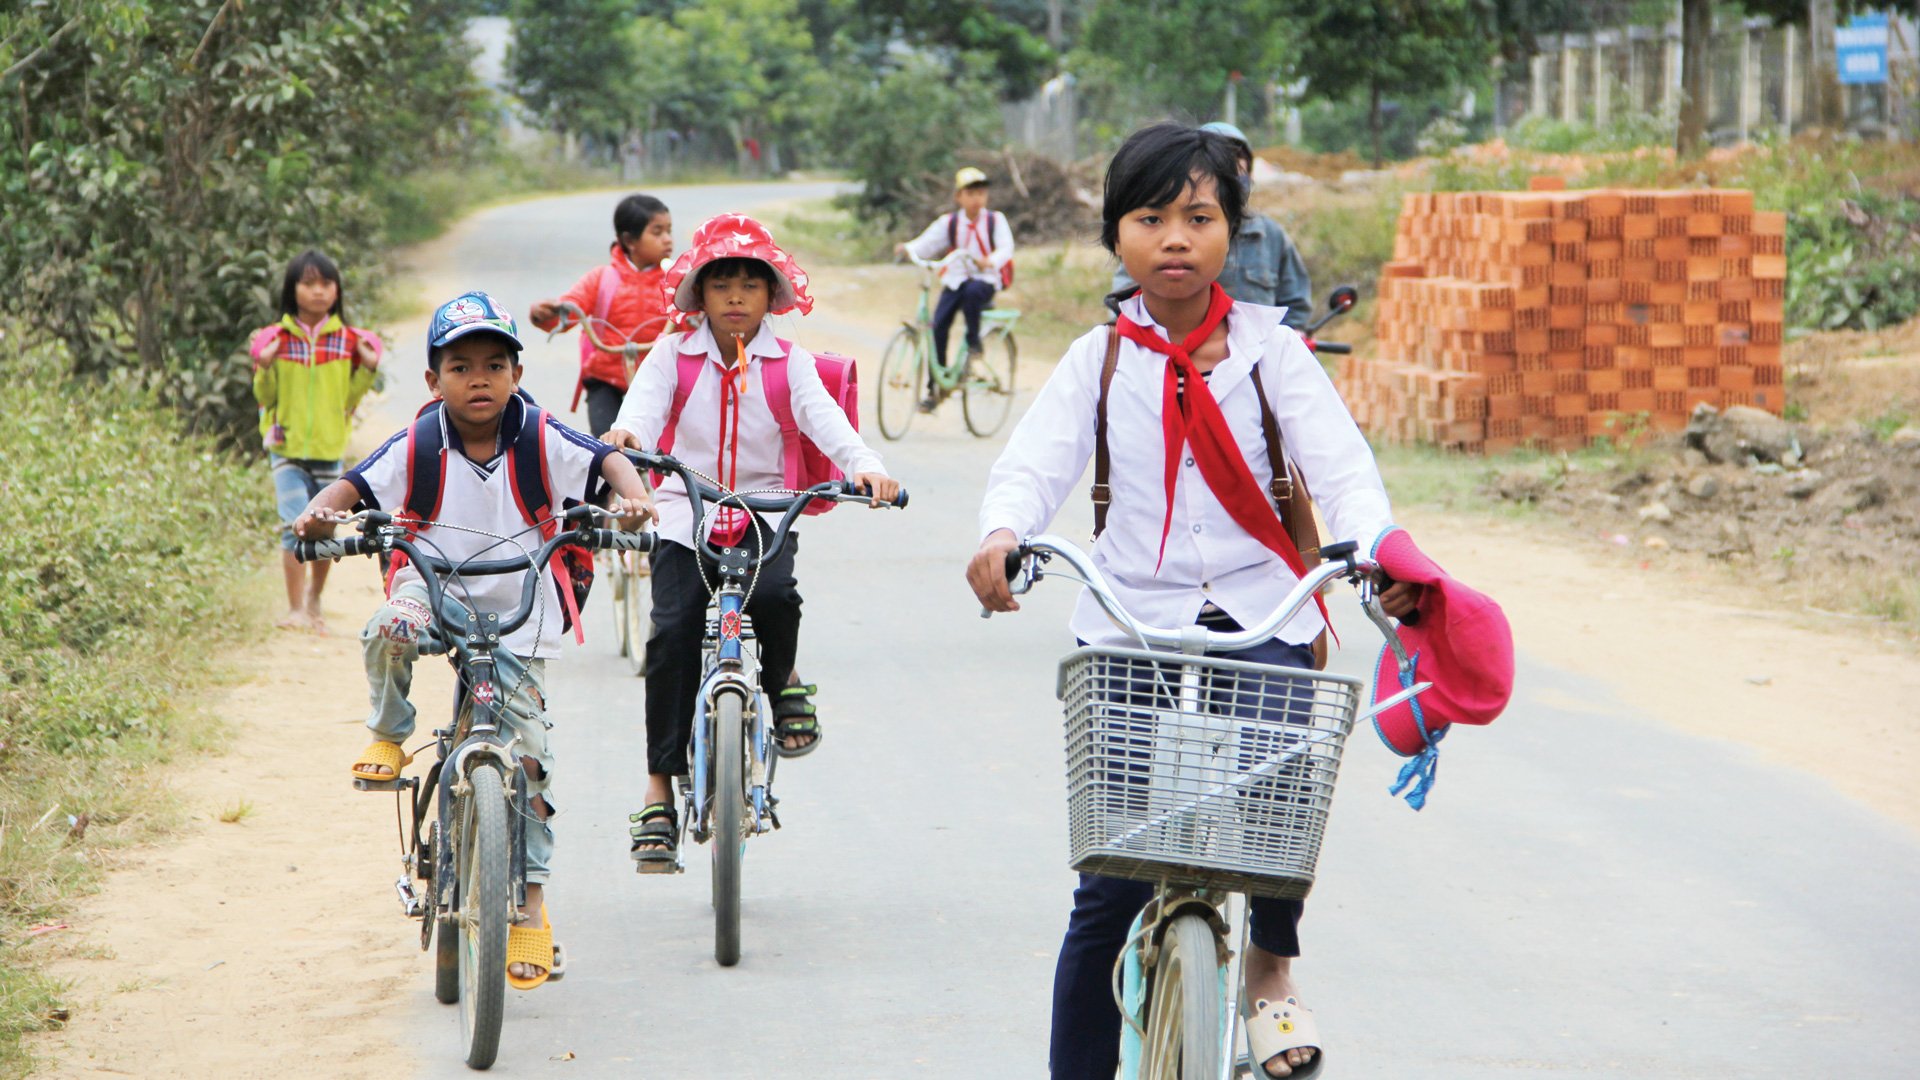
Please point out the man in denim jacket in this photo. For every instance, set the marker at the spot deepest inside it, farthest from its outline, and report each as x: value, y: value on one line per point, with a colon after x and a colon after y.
x: 1263, y: 266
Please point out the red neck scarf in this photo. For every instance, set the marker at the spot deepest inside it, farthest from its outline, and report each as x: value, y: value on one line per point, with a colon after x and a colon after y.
x: 1194, y: 418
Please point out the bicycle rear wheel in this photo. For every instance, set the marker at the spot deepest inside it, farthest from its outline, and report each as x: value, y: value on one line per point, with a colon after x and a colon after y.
x: 729, y: 835
x: 902, y: 375
x: 484, y: 904
x: 986, y: 397
x: 1183, y: 1008
x: 621, y: 583
x: 446, y: 948
x: 636, y: 611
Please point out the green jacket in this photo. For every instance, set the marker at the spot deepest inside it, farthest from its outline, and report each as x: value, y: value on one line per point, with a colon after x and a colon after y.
x: 311, y: 388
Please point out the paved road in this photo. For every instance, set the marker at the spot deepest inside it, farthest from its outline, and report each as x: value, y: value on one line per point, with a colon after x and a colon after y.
x: 1590, y: 894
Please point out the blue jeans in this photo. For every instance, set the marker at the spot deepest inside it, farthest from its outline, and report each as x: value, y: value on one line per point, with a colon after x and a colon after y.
x: 1086, y: 1025
x: 968, y: 298
x: 390, y: 644
x: 295, y: 482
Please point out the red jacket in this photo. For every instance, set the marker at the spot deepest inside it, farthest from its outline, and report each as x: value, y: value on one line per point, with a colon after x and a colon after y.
x: 635, y: 311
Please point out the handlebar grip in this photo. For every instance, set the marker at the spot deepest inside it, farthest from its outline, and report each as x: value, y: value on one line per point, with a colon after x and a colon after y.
x: 1336, y: 348
x: 338, y: 548
x: 622, y: 540
x: 899, y: 501
x: 1015, y: 559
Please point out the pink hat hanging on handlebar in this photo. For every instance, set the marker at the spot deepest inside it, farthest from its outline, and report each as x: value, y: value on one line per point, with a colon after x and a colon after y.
x: 735, y: 236
x: 1461, y: 643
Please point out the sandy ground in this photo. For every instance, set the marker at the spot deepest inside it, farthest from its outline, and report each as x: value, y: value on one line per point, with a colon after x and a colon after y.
x: 245, y: 949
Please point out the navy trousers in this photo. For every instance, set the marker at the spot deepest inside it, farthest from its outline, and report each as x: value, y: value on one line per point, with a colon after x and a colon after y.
x: 1086, y: 1025
x: 970, y: 298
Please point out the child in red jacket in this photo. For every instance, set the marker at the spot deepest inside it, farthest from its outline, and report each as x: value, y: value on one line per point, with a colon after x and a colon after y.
x: 624, y: 301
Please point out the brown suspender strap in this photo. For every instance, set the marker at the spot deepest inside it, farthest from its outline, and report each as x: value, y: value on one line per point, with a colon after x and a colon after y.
x: 1282, y: 483
x: 1102, y: 493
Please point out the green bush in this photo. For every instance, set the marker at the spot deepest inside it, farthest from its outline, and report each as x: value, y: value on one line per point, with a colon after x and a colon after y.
x: 888, y: 125
x: 124, y: 539
x: 1854, y: 264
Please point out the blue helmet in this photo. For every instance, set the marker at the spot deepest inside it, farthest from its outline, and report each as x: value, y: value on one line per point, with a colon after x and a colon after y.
x: 1221, y: 127
x: 471, y: 313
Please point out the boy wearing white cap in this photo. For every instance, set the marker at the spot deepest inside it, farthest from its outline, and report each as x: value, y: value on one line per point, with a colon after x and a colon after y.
x: 985, y: 266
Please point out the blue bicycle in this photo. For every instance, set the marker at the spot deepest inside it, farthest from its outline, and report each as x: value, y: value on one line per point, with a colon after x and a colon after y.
x: 727, y: 792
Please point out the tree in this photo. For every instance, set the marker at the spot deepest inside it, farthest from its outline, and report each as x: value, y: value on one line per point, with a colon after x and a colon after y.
x: 1125, y: 45
x: 571, y: 64
x: 1383, y: 48
x: 166, y: 157
x: 887, y: 127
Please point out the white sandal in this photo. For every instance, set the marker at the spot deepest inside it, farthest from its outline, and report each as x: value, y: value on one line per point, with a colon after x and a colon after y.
x: 1276, y: 1027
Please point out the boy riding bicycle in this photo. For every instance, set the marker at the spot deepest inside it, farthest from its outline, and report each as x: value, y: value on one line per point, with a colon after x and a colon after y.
x: 473, y: 370
x: 984, y: 241
x: 726, y: 419
x: 1174, y: 390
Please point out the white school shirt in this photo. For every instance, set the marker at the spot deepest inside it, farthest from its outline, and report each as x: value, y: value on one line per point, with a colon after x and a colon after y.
x: 696, y: 439
x: 991, y: 244
x: 479, y: 495
x: 1209, y: 557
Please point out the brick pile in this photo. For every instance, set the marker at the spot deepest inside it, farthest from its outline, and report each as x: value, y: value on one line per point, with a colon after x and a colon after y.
x: 1543, y: 319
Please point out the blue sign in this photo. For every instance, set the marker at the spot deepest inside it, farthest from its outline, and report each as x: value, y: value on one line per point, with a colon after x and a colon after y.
x: 1860, y: 49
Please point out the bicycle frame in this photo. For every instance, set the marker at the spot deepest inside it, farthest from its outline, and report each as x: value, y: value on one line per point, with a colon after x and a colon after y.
x: 948, y: 376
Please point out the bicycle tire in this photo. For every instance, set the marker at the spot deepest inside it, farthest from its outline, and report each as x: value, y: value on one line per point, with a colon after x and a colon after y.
x: 484, y: 905
x: 729, y: 817
x: 1183, y: 1006
x: 446, y: 952
x: 902, y: 374
x: 987, y: 400
x: 637, y: 611
x: 620, y: 584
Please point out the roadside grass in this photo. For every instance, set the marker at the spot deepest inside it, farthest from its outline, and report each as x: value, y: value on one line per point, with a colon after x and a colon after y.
x: 125, y: 569
x: 237, y: 812
x: 421, y: 205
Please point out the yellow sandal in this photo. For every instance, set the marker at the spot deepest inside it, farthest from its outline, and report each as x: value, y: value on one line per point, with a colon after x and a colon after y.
x: 525, y: 945
x: 381, y: 753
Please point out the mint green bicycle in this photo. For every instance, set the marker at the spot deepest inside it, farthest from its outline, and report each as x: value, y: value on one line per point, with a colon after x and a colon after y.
x: 985, y: 384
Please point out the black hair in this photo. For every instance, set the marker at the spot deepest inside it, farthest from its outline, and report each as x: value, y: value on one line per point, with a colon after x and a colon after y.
x: 981, y: 184
x: 633, y: 215
x: 436, y: 353
x: 1160, y: 161
x: 732, y: 268
x: 308, y: 261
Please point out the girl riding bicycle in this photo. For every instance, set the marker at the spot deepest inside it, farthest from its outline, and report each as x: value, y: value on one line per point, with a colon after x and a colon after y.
x: 725, y: 420
x: 623, y: 297
x: 1191, y: 536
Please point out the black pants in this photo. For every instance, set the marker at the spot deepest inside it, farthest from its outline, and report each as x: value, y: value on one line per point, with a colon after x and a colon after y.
x: 603, y: 406
x: 1086, y: 1025
x: 971, y: 298
x: 679, y: 623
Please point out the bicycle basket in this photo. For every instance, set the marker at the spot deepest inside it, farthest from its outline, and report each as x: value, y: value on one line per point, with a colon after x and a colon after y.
x: 1200, y: 772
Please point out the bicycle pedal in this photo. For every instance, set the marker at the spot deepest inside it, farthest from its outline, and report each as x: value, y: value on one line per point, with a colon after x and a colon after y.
x: 409, y: 901
x: 361, y: 783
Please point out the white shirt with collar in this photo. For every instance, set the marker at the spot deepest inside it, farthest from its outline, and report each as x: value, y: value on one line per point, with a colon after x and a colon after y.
x: 991, y: 244
x: 762, y: 462
x: 1209, y: 557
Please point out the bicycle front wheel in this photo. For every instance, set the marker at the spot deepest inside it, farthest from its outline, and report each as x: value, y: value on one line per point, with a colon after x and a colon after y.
x: 484, y: 906
x: 902, y: 377
x: 729, y: 824
x: 986, y: 397
x: 1183, y: 1008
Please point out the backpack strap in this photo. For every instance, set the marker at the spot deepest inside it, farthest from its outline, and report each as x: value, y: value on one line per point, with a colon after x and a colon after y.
x: 532, y: 485
x: 426, y: 477
x: 773, y: 378
x: 953, y: 230
x: 1102, y: 467
x: 686, y: 373
x: 608, y: 284
x: 1281, y: 486
x: 1291, y: 500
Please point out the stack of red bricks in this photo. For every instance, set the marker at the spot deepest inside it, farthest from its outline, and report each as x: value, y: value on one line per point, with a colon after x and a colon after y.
x: 1544, y: 319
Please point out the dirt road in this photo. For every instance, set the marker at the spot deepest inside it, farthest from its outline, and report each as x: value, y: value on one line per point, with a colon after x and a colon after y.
x: 1612, y: 858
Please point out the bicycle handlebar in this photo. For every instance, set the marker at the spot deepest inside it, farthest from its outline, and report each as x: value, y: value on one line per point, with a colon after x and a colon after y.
x: 1332, y: 348
x: 380, y: 532
x: 1342, y: 560
x: 789, y: 505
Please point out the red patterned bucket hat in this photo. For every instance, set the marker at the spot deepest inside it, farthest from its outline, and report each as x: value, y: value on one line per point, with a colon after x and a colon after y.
x: 736, y: 236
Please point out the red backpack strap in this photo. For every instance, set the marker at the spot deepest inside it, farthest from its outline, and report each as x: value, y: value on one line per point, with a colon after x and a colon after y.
x: 773, y: 377
x: 607, y: 284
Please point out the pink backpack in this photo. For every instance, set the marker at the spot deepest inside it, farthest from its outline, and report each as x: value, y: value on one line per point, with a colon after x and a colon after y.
x: 805, y: 464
